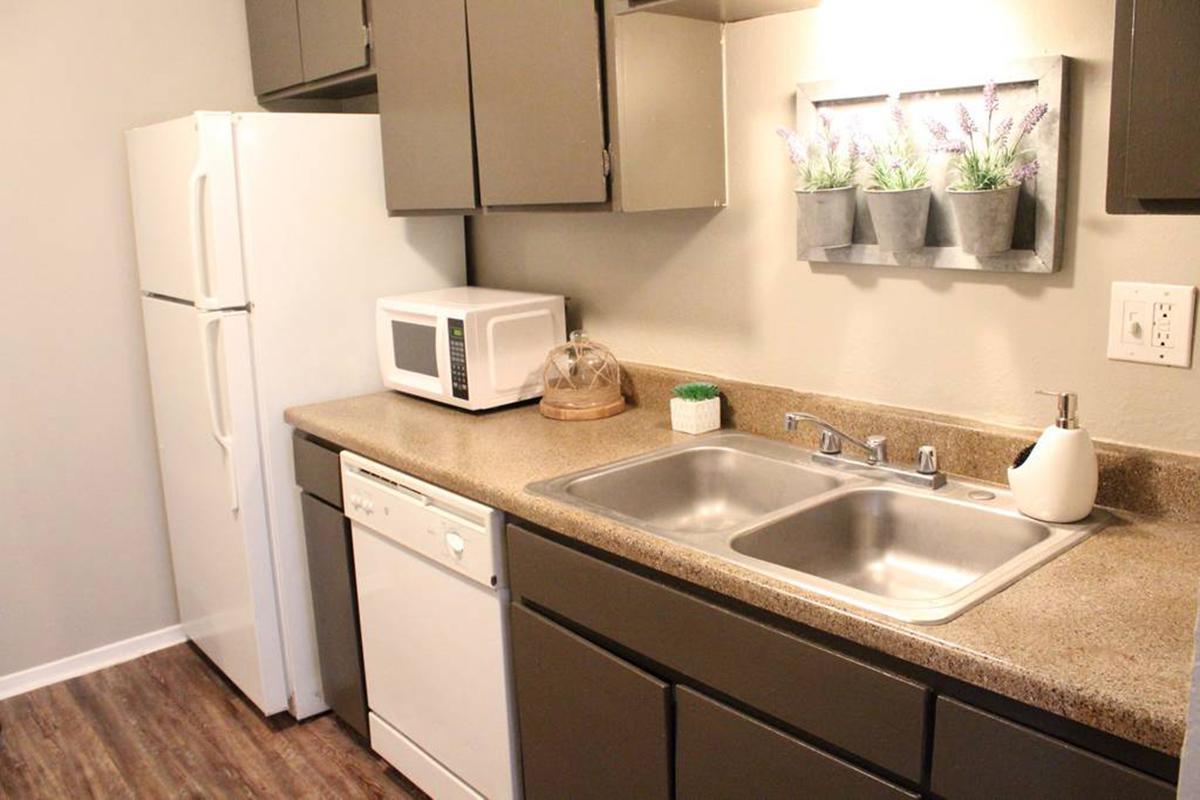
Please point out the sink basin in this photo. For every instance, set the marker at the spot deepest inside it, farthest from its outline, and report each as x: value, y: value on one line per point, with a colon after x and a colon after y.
x: 719, y: 485
x: 894, y: 544
x: 852, y: 533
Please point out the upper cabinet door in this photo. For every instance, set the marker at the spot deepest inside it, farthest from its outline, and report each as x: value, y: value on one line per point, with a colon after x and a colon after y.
x: 332, y: 36
x: 1164, y: 131
x: 274, y: 44
x: 425, y: 104
x: 539, y: 126
x: 1154, y: 132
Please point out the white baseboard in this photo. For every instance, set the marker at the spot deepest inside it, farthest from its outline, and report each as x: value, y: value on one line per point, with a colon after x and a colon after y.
x: 82, y: 663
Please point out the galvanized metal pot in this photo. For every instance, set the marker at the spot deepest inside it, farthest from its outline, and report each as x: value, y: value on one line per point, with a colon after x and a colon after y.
x: 827, y: 216
x: 900, y: 217
x: 985, y: 219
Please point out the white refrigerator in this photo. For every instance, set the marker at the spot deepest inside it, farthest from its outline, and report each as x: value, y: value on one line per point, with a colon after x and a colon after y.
x: 263, y: 243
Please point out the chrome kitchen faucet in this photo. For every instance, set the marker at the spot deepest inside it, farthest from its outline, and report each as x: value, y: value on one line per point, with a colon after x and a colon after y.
x: 924, y: 473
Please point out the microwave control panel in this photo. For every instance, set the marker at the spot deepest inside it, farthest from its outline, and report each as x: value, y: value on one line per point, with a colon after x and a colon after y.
x: 458, y: 359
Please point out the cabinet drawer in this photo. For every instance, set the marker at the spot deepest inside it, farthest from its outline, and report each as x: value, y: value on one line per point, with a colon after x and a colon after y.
x: 720, y: 753
x: 318, y: 469
x: 855, y: 706
x: 591, y: 725
x: 977, y: 755
x: 335, y: 610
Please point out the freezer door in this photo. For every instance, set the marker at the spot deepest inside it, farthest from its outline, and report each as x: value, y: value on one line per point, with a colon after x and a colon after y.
x: 200, y: 374
x: 183, y: 185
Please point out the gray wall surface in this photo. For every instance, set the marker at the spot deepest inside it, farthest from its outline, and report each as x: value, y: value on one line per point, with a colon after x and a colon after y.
x: 84, y: 558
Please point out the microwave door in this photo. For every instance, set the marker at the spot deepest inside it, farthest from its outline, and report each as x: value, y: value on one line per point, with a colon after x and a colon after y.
x: 416, y: 354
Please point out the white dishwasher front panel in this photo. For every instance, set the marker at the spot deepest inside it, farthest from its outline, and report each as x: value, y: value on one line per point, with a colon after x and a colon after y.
x: 435, y: 657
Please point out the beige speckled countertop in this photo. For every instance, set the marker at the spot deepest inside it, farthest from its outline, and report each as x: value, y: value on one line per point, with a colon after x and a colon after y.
x: 1101, y: 635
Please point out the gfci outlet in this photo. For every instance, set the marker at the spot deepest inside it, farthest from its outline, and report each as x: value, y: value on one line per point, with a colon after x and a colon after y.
x: 1152, y: 322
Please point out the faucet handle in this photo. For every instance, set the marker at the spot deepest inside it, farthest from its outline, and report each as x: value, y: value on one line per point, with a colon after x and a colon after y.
x: 831, y: 443
x: 927, y: 460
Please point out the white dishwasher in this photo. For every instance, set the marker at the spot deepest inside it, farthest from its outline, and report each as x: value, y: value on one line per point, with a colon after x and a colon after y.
x: 433, y: 604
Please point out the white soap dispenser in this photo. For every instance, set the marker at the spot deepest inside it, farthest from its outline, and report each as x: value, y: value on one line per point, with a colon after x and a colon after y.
x: 1055, y: 479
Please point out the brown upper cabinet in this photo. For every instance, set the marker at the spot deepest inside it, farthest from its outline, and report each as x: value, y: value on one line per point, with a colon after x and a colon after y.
x: 495, y: 104
x: 308, y: 47
x: 539, y: 124
x: 1154, y: 132
x: 424, y: 80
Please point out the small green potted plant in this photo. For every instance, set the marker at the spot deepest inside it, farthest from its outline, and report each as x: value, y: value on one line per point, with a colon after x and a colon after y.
x: 989, y: 167
x: 825, y: 189
x: 696, y: 407
x: 899, y: 191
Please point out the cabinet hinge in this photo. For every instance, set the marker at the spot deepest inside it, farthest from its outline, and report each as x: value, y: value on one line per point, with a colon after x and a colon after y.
x: 606, y: 161
x: 367, y: 35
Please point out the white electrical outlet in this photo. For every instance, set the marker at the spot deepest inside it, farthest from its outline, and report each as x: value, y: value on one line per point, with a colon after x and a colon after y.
x: 1152, y: 322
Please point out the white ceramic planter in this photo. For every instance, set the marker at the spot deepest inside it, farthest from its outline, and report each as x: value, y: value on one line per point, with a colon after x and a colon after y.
x: 900, y: 217
x: 827, y: 216
x: 695, y: 416
x: 985, y: 219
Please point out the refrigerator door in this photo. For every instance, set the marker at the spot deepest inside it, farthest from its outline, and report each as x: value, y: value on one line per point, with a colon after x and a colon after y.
x: 319, y: 250
x: 204, y: 410
x: 183, y: 184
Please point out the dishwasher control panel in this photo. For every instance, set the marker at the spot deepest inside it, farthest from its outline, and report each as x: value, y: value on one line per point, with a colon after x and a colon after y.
x: 454, y: 531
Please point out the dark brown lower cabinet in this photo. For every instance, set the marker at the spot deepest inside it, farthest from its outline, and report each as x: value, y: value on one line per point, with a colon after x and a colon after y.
x: 591, y: 725
x: 795, y: 719
x: 979, y: 755
x: 721, y: 753
x: 335, y: 611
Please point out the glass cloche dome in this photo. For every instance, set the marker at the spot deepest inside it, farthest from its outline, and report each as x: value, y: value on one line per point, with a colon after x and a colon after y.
x: 582, y: 380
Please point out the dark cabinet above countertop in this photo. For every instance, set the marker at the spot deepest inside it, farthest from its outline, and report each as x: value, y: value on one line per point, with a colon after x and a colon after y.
x: 1154, y: 130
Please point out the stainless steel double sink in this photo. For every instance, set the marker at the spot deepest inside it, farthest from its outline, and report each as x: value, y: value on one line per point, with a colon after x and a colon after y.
x: 851, y: 534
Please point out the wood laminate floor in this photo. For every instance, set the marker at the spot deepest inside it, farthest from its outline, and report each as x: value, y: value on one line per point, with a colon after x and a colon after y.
x: 169, y: 725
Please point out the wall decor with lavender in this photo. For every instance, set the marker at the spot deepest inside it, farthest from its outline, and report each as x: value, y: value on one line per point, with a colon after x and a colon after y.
x: 948, y: 172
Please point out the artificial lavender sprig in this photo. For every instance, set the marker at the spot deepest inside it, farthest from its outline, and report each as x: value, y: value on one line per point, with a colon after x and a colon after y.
x: 1025, y: 171
x: 797, y: 149
x: 991, y: 101
x: 942, y: 143
x: 964, y: 120
x: 1033, y: 118
x: 1002, y: 131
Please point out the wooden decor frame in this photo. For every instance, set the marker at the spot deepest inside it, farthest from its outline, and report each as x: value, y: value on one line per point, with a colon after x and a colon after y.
x: 1042, y: 205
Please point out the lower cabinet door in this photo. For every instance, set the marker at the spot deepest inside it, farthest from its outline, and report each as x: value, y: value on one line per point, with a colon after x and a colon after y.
x: 723, y: 753
x: 335, y: 611
x: 979, y: 756
x: 591, y: 725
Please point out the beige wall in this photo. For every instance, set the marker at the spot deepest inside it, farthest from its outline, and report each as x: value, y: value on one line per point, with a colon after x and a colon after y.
x: 83, y: 547
x: 721, y: 292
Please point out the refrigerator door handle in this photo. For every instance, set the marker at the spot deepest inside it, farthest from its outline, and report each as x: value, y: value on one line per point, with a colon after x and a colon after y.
x: 197, y: 183
x: 210, y: 331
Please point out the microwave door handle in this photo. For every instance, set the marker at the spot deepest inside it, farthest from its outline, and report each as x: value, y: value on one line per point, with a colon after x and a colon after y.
x: 210, y: 330
x: 197, y: 184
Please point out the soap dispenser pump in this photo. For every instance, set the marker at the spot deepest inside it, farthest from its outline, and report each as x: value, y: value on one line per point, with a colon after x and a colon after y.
x: 1055, y: 479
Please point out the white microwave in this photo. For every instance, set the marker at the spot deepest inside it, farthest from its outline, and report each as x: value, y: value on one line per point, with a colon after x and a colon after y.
x: 467, y: 346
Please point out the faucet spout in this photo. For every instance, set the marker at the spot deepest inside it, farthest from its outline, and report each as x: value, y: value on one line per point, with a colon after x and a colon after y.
x: 831, y: 438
